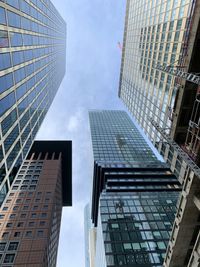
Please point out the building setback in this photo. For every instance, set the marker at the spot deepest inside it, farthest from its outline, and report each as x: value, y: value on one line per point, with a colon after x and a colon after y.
x: 32, y: 65
x: 159, y: 83
x: 30, y: 216
x: 134, y: 194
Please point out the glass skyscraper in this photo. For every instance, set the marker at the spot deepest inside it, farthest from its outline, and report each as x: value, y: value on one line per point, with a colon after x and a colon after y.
x: 116, y: 139
x: 134, y: 194
x: 32, y: 65
x: 160, y: 33
x: 160, y: 36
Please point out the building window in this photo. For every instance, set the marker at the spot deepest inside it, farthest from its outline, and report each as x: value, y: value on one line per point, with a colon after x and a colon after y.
x: 20, y: 224
x: 13, y: 246
x: 40, y: 233
x: 2, y: 246
x: 15, y: 188
x: 32, y: 187
x: 33, y: 215
x: 29, y: 234
x: 12, y: 216
x: 42, y: 223
x: 23, y: 187
x: 17, y: 234
x: 2, y: 216
x: 31, y: 224
x: 9, y: 225
x: 43, y: 215
x: 15, y: 207
x: 9, y: 258
x: 5, y: 235
x: 5, y: 208
x: 23, y: 215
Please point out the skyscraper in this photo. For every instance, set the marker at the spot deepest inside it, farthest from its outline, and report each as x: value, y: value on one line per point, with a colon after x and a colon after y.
x: 134, y: 194
x: 159, y: 83
x: 32, y: 65
x: 31, y: 213
x: 159, y: 55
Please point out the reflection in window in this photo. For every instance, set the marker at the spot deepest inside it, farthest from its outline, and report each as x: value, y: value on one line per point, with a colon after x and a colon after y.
x: 13, y: 19
x: 9, y: 258
x: 4, y: 41
x: 6, y: 81
x: 9, y: 121
x: 5, y: 61
x: 6, y: 103
x: 2, y: 16
x: 3, y: 193
x: 16, y: 39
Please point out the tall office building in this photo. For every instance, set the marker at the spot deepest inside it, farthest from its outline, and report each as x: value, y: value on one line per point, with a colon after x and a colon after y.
x: 158, y: 34
x: 134, y: 194
x: 31, y: 213
x: 159, y: 83
x: 32, y: 65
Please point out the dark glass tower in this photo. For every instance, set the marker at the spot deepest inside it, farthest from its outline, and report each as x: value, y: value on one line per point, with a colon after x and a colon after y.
x: 134, y: 194
x: 32, y: 65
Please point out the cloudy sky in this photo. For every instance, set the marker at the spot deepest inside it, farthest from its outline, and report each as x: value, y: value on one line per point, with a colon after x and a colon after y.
x: 94, y: 27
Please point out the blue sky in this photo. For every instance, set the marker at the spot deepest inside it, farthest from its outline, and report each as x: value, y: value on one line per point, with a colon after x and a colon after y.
x: 94, y: 27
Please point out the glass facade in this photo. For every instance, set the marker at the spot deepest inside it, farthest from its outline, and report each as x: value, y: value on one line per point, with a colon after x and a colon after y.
x: 32, y: 65
x: 156, y: 33
x: 134, y: 194
x: 116, y: 139
x: 136, y: 227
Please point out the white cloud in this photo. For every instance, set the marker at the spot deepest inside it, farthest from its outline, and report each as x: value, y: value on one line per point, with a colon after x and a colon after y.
x: 75, y: 121
x: 73, y: 124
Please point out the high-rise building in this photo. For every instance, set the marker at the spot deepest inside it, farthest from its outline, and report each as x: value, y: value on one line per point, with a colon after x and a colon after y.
x: 134, y: 194
x: 116, y: 139
x: 31, y: 213
x: 159, y: 83
x: 32, y: 65
x: 160, y: 49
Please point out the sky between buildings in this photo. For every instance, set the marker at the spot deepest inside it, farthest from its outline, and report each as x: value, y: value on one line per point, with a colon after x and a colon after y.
x: 94, y: 28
